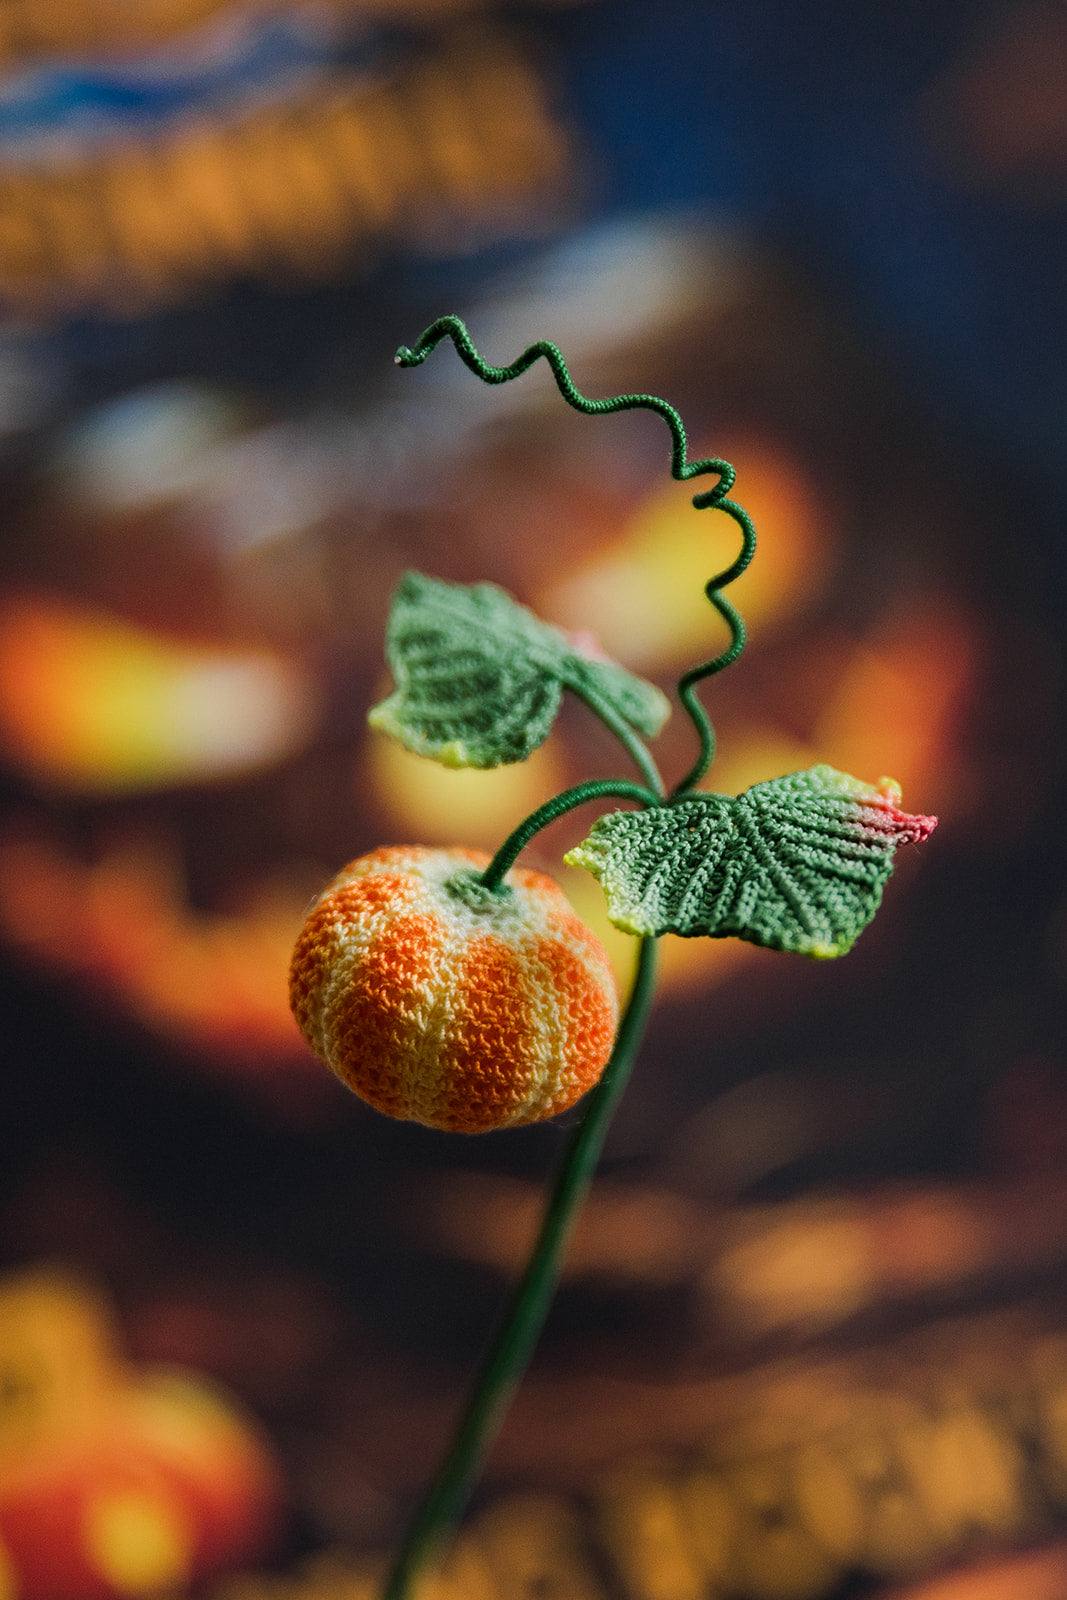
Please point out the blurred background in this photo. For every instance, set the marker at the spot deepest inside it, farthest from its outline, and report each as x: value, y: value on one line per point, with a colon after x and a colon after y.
x: 812, y: 1340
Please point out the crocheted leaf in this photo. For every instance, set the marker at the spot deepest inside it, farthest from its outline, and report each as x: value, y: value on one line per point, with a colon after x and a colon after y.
x: 479, y: 678
x: 798, y: 863
x: 636, y: 700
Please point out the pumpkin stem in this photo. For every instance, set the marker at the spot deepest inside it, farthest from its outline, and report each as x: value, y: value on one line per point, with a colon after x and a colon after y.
x: 508, y: 1355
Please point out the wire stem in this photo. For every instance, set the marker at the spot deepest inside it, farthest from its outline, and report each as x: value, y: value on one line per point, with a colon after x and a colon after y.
x: 508, y: 1355
x: 731, y: 616
x: 682, y: 469
x: 636, y: 748
x: 507, y: 1358
x: 520, y: 837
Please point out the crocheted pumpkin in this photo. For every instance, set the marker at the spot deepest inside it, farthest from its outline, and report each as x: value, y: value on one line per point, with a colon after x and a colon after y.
x: 445, y: 1003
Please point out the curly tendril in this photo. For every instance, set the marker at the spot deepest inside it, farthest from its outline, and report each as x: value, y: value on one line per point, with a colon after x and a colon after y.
x: 682, y: 469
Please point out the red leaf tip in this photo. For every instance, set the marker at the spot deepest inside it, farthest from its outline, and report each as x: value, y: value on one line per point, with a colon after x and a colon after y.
x: 909, y: 829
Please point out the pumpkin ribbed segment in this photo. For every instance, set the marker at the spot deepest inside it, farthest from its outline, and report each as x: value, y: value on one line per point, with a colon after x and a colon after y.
x: 442, y: 1003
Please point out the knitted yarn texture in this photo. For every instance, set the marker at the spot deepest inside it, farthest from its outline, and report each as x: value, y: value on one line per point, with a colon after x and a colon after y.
x: 441, y: 1002
x: 796, y: 863
x: 480, y: 678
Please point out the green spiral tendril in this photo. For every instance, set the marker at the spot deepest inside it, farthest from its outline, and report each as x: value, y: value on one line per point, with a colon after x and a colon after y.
x: 682, y: 469
x: 732, y: 617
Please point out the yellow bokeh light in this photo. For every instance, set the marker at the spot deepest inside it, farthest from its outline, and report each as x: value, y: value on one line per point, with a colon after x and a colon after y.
x: 812, y: 1269
x: 897, y: 695
x: 93, y: 704
x: 431, y: 804
x: 139, y: 1540
x: 644, y: 597
x: 59, y: 1366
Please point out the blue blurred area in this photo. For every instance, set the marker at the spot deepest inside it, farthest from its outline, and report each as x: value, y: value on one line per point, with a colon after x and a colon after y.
x: 803, y: 125
x: 801, y: 122
x: 228, y: 65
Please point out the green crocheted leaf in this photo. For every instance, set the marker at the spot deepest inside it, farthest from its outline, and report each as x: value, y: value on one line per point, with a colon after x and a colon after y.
x: 798, y: 863
x: 637, y: 701
x: 479, y: 678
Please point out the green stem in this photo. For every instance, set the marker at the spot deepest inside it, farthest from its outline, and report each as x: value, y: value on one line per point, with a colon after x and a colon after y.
x: 732, y: 617
x: 687, y: 686
x: 451, y: 327
x: 520, y: 837
x: 507, y: 1357
x: 636, y: 748
x: 510, y: 1352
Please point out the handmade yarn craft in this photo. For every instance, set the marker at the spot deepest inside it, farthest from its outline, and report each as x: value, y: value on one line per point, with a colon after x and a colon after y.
x: 445, y: 1003
x: 462, y: 992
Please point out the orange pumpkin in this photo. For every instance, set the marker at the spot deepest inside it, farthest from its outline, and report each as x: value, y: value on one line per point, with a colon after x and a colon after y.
x: 444, y: 1003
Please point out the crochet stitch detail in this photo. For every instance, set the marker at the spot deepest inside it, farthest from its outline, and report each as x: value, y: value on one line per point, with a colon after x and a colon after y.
x: 479, y: 678
x: 797, y: 863
x: 461, y: 1012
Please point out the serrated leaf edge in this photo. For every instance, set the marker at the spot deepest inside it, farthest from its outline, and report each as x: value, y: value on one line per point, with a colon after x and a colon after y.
x: 593, y: 855
x: 547, y: 649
